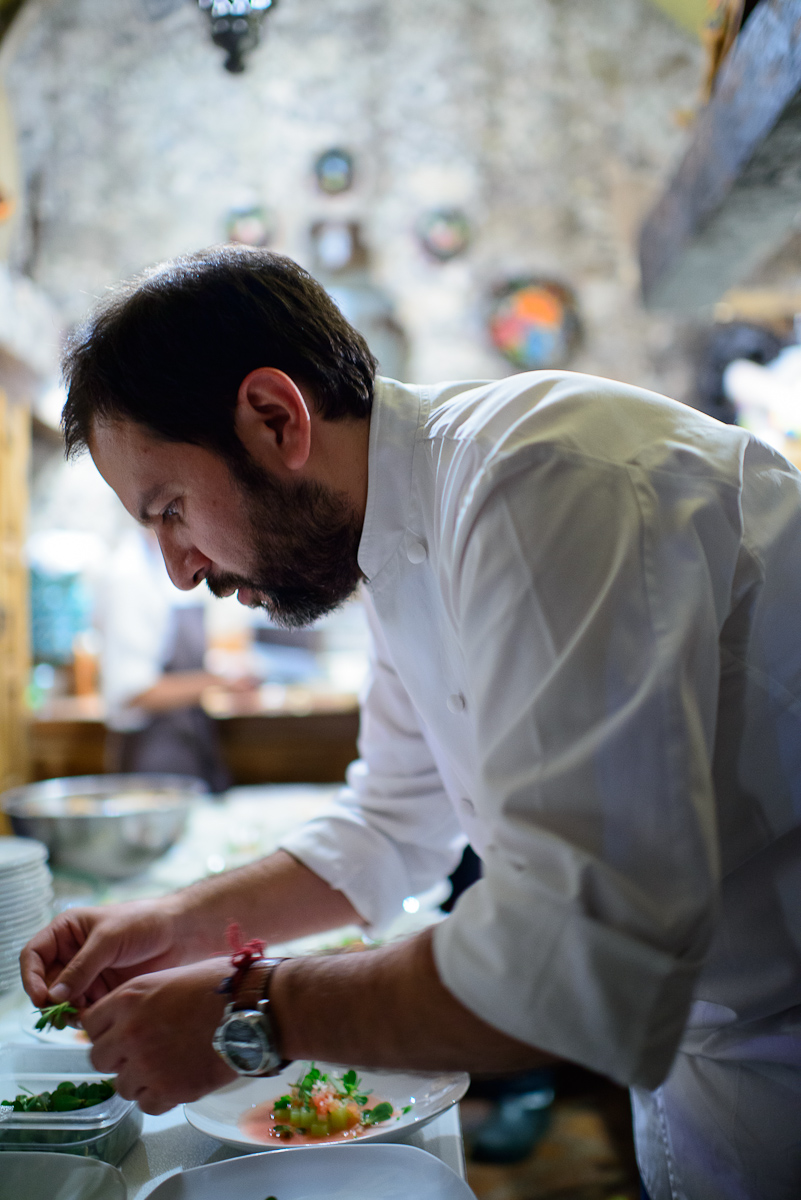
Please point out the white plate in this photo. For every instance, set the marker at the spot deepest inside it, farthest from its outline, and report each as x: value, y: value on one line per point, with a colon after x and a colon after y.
x: 35, y: 1175
x: 14, y: 877
x: 24, y: 898
x: 19, y: 852
x: 219, y: 1113
x: 21, y: 920
x: 343, y: 1172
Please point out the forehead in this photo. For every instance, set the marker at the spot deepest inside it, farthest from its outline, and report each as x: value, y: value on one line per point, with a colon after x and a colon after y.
x: 125, y: 453
x: 110, y: 439
x: 143, y: 469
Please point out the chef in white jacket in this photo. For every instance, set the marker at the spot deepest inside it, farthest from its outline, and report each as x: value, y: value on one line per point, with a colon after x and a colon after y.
x: 152, y: 669
x: 584, y: 601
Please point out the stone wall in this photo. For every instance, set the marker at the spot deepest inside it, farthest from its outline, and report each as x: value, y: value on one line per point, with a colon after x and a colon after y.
x: 551, y: 122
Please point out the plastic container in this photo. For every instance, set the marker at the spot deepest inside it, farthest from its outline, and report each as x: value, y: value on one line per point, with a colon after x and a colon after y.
x: 105, y: 1131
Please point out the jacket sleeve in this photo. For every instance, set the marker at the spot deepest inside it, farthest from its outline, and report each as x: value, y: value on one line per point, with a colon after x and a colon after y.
x: 589, y: 598
x: 392, y: 831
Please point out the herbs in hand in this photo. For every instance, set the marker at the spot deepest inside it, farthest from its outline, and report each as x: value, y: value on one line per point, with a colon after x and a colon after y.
x: 55, y: 1017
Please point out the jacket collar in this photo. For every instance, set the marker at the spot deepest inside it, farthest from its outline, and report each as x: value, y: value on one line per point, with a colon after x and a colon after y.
x: 395, y: 419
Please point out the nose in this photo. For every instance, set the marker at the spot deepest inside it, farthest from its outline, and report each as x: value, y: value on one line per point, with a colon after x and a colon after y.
x: 186, y: 566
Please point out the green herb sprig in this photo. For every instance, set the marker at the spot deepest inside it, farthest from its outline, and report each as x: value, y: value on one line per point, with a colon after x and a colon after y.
x: 351, y: 1085
x: 381, y: 1112
x: 55, y: 1016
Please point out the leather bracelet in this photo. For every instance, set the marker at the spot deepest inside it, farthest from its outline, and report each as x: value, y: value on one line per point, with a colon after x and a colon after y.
x: 254, y: 984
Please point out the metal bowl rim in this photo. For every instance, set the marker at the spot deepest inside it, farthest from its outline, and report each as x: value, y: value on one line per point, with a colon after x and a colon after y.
x: 16, y: 801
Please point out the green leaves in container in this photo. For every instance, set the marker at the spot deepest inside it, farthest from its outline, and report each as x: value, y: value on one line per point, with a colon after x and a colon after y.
x: 68, y: 1097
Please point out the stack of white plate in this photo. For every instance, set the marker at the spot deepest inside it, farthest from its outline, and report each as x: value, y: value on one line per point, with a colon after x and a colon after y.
x: 26, y: 901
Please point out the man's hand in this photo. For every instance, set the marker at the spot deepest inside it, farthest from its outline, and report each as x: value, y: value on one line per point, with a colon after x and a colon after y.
x: 86, y: 952
x: 155, y: 1034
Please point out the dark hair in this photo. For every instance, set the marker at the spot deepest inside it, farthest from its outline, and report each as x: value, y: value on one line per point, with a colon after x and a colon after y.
x: 169, y: 349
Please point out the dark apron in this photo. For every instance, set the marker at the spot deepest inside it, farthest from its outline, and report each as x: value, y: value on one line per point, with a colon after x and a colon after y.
x: 184, y: 741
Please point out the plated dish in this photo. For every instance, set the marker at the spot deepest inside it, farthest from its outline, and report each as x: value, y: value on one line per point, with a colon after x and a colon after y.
x: 387, y: 1172
x: 241, y: 1113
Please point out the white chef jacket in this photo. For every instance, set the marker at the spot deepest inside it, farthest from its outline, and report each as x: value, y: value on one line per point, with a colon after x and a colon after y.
x: 585, y: 603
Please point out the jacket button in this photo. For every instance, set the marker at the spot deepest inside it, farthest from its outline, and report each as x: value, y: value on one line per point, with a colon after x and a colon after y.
x: 415, y: 551
x: 456, y: 702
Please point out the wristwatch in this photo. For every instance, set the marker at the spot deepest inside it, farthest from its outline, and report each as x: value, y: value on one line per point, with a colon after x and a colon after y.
x: 246, y: 1037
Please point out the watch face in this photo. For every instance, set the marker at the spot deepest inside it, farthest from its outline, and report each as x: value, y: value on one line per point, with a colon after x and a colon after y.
x: 245, y: 1044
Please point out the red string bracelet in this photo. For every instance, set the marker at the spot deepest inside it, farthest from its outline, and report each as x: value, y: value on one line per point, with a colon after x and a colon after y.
x: 243, y: 955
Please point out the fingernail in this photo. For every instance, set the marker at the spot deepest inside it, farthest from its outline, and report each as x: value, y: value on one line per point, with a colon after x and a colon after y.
x: 59, y: 993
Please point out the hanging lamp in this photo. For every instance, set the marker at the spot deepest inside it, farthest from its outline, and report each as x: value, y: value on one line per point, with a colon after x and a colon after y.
x: 235, y: 27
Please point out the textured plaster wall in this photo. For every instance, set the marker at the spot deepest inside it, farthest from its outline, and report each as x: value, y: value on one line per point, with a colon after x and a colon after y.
x: 552, y: 122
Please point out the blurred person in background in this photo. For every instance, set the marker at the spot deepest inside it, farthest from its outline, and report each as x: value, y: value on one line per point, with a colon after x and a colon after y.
x: 152, y: 669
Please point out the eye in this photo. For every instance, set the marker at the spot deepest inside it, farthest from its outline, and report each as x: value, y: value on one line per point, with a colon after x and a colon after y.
x: 170, y: 513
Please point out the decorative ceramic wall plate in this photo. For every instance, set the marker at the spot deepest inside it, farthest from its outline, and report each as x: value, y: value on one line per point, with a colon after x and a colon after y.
x: 253, y: 226
x: 334, y: 171
x: 534, y: 323
x: 444, y: 233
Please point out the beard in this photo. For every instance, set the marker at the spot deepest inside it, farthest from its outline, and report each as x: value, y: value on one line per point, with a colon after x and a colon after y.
x: 305, y: 543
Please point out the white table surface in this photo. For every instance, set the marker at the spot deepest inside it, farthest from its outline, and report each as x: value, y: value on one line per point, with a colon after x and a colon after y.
x: 248, y: 823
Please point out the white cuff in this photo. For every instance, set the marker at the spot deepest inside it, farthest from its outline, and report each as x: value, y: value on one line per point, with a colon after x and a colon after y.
x: 356, y: 860
x: 555, y: 978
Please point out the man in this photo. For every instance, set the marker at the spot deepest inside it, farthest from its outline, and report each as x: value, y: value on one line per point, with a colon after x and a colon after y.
x: 584, y: 607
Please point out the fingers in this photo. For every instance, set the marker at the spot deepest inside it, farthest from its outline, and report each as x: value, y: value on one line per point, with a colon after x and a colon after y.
x: 43, y: 959
x: 82, y: 970
x: 154, y: 1032
x: 152, y: 1102
x: 33, y: 970
x: 99, y: 1019
x: 108, y: 1059
x: 36, y: 963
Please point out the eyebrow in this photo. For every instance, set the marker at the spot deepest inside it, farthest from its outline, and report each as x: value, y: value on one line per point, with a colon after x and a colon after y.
x: 144, y: 515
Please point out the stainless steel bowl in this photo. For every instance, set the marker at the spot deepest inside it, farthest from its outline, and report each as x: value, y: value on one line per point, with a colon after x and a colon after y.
x: 108, y: 825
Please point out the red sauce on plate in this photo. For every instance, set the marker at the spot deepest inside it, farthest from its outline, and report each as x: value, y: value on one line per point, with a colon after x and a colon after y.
x: 260, y: 1121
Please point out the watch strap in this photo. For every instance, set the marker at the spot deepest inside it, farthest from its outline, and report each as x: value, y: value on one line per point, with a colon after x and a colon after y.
x: 254, y: 986
x: 252, y: 993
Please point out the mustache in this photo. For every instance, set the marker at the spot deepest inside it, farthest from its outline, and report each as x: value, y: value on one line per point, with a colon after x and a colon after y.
x: 291, y: 607
x: 222, y: 584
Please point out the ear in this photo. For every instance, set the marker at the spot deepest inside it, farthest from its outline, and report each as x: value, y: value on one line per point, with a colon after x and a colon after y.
x: 272, y: 420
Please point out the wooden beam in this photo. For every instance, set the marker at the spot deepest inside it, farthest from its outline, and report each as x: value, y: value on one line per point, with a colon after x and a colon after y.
x: 692, y: 14
x: 737, y: 192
